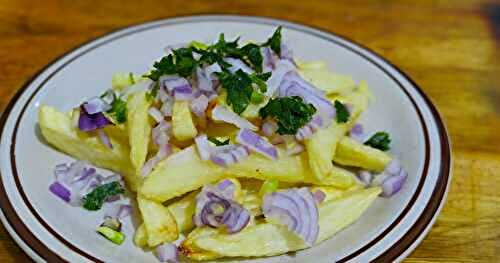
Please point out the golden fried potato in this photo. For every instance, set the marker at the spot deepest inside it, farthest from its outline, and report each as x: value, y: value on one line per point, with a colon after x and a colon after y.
x: 267, y: 239
x: 159, y: 223
x: 183, y: 126
x: 350, y: 152
x: 190, y: 250
x: 183, y: 211
x: 139, y: 128
x: 141, y: 236
x: 180, y: 173
x: 324, y: 79
x: 57, y: 129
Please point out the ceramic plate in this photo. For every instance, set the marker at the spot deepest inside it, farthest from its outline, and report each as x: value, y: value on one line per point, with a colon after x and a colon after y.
x: 50, y: 230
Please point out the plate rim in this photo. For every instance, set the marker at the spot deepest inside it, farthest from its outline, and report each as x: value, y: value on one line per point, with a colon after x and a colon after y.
x: 423, y: 222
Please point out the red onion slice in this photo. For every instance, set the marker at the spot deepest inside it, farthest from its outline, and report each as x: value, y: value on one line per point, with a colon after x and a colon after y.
x: 237, y: 64
x: 166, y: 107
x: 269, y: 128
x: 204, y: 82
x: 167, y: 252
x: 172, y: 82
x: 257, y: 143
x: 282, y: 68
x: 199, y: 105
x: 96, y: 105
x: 319, y: 196
x: 393, y: 184
x: 163, y: 152
x: 211, y: 69
x: 222, y: 113
x: 295, y: 208
x: 269, y: 59
x: 89, y: 122
x: 204, y: 147
x: 365, y: 177
x: 60, y: 191
x: 156, y: 114
x: 228, y: 154
x: 104, y: 138
x: 357, y: 132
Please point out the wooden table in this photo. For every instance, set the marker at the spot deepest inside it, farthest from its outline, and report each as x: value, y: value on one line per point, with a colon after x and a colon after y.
x: 450, y: 48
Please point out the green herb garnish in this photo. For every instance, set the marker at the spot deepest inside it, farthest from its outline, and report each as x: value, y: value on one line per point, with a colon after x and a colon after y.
x: 239, y: 89
x: 342, y: 112
x: 257, y: 97
x: 131, y: 78
x: 218, y: 142
x: 93, y: 201
x: 291, y: 113
x: 274, y: 42
x: 380, y: 140
x: 111, y: 235
x: 118, y: 110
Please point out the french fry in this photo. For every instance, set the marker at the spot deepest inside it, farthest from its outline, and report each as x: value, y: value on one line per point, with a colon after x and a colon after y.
x: 183, y: 126
x: 322, y: 78
x: 58, y: 131
x: 141, y: 236
x: 159, y: 223
x: 190, y: 250
x: 183, y: 211
x: 180, y: 173
x: 139, y: 128
x: 267, y: 239
x: 350, y: 152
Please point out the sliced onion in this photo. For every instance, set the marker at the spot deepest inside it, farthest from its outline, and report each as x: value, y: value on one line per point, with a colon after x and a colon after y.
x: 163, y: 152
x: 237, y: 64
x: 229, y: 154
x: 269, y: 128
x: 104, y: 138
x: 160, y: 133
x: 89, y: 122
x: 174, y: 82
x: 356, y: 132
x: 222, y: 113
x: 204, y: 82
x: 269, y: 59
x: 108, y: 96
x: 183, y: 93
x: 217, y: 208
x: 296, y: 209
x: 211, y: 69
x: 304, y: 133
x: 199, y: 105
x: 393, y: 168
x: 156, y: 114
x: 203, y: 146
x: 365, y: 177
x: 283, y: 67
x: 393, y: 184
x: 166, y: 107
x: 96, y: 105
x: 286, y: 53
x: 319, y: 196
x: 167, y: 252
x: 162, y: 94
x: 257, y: 143
x: 61, y: 191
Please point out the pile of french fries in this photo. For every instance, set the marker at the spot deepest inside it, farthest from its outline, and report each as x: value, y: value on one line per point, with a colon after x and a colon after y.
x: 166, y: 197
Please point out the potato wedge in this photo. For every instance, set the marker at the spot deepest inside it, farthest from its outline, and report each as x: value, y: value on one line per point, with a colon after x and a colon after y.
x: 324, y: 79
x: 183, y: 126
x: 189, y: 249
x: 141, y: 236
x: 268, y: 239
x: 183, y: 211
x: 139, y: 128
x: 180, y: 173
x: 159, y: 223
x: 57, y: 129
x: 350, y: 152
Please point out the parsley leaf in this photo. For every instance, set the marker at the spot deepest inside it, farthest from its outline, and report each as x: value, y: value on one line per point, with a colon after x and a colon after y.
x: 118, y: 110
x: 291, y: 113
x: 239, y: 89
x: 93, y: 201
x: 218, y: 142
x: 342, y: 112
x: 251, y: 55
x: 275, y: 41
x: 380, y: 140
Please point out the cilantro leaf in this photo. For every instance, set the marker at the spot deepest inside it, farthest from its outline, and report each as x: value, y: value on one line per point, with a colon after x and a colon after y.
x: 380, y: 140
x: 252, y: 55
x: 260, y: 80
x: 118, y: 110
x: 239, y: 89
x: 218, y: 142
x: 93, y: 201
x: 165, y: 66
x: 342, y: 112
x: 274, y: 42
x: 291, y: 113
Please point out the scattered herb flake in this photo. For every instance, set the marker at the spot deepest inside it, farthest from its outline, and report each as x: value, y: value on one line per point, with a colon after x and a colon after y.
x: 239, y: 89
x: 380, y: 140
x: 93, y: 201
x: 342, y: 112
x: 291, y: 113
x: 218, y: 142
x: 256, y: 97
x: 275, y: 41
x: 118, y: 110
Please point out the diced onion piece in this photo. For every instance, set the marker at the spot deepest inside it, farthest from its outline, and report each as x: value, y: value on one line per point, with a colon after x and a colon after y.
x: 167, y: 252
x: 222, y: 113
x: 156, y: 114
x: 163, y: 152
x: 199, y: 105
x: 96, y: 105
x: 393, y: 184
x: 319, y: 196
x: 365, y: 177
x: 237, y: 64
x: 269, y: 128
x: 211, y: 69
x: 357, y: 132
x: 257, y: 143
x: 89, y: 122
x: 104, y: 138
x: 282, y: 68
x: 203, y: 146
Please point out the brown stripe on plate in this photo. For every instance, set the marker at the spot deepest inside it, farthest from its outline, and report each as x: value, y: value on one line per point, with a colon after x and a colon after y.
x: 42, y: 250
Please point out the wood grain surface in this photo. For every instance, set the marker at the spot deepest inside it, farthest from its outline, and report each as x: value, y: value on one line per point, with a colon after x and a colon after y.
x: 451, y: 48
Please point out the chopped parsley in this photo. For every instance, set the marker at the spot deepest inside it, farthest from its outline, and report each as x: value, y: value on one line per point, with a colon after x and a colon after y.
x: 342, y: 112
x: 380, y: 140
x: 291, y: 113
x: 239, y: 89
x: 118, y: 110
x: 260, y: 80
x: 218, y: 142
x: 274, y: 42
x: 93, y: 201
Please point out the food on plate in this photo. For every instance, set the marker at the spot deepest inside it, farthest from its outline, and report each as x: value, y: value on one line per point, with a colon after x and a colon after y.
x: 230, y: 151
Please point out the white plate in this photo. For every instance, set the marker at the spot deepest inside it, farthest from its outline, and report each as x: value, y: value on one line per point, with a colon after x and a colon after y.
x: 50, y: 230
